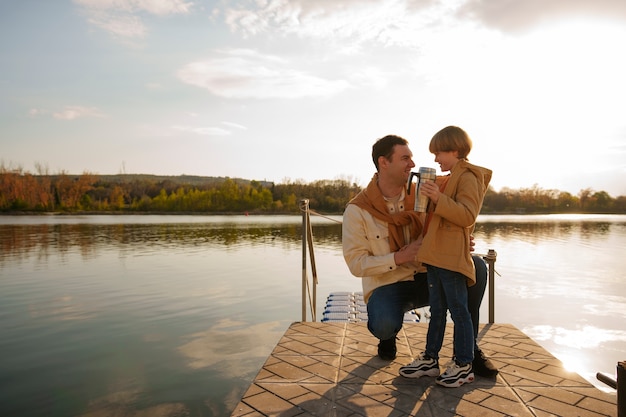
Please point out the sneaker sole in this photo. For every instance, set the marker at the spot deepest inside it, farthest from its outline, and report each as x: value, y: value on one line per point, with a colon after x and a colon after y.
x: 411, y: 373
x: 457, y: 382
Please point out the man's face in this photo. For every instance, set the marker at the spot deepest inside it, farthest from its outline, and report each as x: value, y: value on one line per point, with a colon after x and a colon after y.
x: 399, y: 168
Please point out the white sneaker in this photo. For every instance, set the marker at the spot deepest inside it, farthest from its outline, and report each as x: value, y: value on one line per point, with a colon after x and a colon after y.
x: 422, y: 366
x: 456, y: 375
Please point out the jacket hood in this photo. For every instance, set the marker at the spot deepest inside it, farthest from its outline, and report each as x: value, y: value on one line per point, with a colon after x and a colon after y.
x: 483, y: 174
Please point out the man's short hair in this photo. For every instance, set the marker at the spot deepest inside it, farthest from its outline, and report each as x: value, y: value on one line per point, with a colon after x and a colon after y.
x: 384, y: 147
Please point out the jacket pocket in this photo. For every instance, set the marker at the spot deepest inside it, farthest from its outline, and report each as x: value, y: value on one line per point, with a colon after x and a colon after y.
x: 378, y: 236
x: 378, y: 233
x: 450, y: 242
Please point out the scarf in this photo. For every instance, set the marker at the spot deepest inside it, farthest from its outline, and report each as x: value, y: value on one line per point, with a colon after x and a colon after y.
x: 372, y: 201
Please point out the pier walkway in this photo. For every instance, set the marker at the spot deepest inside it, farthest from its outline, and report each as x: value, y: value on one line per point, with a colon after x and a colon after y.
x: 331, y: 369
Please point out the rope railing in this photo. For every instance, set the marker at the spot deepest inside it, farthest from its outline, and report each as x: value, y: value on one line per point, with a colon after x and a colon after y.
x: 309, y: 289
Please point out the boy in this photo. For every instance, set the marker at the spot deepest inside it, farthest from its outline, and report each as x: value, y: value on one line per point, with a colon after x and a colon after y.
x: 445, y: 250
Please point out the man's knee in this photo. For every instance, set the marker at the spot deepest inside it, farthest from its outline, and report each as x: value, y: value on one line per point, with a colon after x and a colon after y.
x: 382, y: 315
x: 383, y: 326
x: 481, y: 272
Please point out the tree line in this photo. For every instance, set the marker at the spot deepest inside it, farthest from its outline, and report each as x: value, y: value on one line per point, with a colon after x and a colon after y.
x: 22, y: 191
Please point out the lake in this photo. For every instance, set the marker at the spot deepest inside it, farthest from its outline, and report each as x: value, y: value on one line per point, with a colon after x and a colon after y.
x: 136, y: 315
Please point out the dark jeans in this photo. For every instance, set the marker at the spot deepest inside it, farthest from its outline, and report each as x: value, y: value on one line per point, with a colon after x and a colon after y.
x: 387, y: 304
x: 448, y: 292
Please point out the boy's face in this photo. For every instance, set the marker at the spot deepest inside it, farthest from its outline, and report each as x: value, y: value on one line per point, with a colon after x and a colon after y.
x: 447, y: 159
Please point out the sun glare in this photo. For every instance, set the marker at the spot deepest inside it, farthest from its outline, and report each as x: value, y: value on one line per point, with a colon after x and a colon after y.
x: 578, y: 63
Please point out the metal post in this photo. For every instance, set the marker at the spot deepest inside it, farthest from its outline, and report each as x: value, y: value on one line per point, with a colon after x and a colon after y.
x: 491, y: 260
x: 619, y: 385
x: 621, y: 389
x: 304, y: 206
x: 607, y: 380
x: 309, y: 235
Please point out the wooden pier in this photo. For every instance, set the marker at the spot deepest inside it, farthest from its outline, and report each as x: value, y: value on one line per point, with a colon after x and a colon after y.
x: 331, y: 369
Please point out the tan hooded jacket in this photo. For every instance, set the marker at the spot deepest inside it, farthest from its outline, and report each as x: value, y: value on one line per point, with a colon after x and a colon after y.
x: 447, y: 240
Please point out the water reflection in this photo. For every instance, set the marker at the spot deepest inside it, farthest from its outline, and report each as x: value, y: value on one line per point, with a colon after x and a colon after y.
x: 561, y: 283
x: 164, y: 316
x: 586, y: 337
x: 22, y: 241
x: 552, y: 230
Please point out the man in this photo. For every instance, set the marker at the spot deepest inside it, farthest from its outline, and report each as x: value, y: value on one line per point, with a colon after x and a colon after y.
x: 381, y: 237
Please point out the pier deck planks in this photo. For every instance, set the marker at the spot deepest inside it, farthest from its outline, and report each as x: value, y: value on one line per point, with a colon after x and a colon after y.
x: 331, y: 369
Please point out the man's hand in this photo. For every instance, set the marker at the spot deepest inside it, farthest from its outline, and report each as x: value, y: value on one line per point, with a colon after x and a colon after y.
x: 407, y: 253
x: 472, y: 244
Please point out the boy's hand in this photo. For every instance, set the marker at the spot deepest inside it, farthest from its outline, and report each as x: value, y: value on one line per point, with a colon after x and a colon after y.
x: 430, y: 190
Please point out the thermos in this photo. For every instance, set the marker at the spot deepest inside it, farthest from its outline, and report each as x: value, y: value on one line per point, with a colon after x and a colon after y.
x: 425, y: 174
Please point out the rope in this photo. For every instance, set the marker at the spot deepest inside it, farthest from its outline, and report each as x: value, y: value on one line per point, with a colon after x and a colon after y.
x: 325, y: 217
x: 311, y: 211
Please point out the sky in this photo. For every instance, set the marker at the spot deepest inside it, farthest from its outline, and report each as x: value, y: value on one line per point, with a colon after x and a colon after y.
x: 299, y: 90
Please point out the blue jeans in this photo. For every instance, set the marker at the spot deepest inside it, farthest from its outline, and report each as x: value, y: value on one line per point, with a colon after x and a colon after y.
x: 448, y: 291
x: 387, y: 304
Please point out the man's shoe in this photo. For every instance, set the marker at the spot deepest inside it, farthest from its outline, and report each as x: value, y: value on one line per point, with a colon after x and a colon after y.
x: 456, y: 375
x: 387, y: 349
x: 424, y: 365
x: 483, y: 366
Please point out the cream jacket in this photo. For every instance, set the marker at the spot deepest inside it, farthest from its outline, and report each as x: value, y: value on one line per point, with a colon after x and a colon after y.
x: 366, y: 250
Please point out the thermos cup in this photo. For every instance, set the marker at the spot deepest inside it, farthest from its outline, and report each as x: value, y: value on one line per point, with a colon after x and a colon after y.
x: 425, y: 174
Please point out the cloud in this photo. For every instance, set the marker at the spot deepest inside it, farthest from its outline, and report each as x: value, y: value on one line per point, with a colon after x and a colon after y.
x: 401, y: 22
x: 156, y: 7
x: 384, y: 22
x: 204, y: 131
x: 77, y: 112
x: 235, y: 125
x: 208, y: 130
x: 64, y: 308
x: 34, y: 112
x: 228, y: 346
x: 515, y: 15
x: 243, y: 73
x: 121, y: 17
x: 126, y: 26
